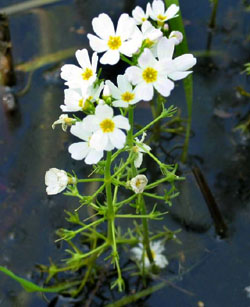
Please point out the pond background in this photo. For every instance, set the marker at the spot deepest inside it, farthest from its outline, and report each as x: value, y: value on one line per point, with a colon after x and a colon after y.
x: 219, y: 268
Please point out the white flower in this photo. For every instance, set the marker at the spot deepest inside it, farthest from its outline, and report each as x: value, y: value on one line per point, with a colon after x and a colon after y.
x: 106, y: 90
x: 82, y: 150
x: 139, y: 15
x: 156, y: 249
x: 56, y: 181
x: 124, y: 94
x: 149, y: 74
x: 78, y: 99
x: 158, y: 13
x: 139, y: 151
x: 138, y: 183
x: 176, y: 69
x: 126, y: 39
x: 150, y: 34
x: 106, y: 128
x: 247, y: 289
x: 177, y: 36
x: 85, y: 75
x: 65, y: 121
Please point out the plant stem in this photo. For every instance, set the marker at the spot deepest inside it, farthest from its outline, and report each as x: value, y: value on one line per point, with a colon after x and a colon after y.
x: 108, y: 181
x: 212, y: 22
x: 146, y: 242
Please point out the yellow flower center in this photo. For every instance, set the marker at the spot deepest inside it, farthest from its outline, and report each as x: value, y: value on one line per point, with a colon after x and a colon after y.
x: 107, y: 125
x: 68, y: 120
x: 127, y: 96
x: 87, y: 74
x: 114, y: 42
x: 80, y: 103
x: 161, y: 17
x: 150, y: 74
x: 148, y: 42
x: 143, y: 19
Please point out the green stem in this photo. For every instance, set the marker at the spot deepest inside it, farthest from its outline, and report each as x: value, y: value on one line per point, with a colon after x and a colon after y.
x: 146, y: 242
x: 90, y: 180
x: 212, y: 22
x: 108, y: 181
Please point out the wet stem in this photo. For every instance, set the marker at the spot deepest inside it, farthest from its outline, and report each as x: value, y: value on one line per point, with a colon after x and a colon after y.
x: 111, y: 217
x: 139, y: 201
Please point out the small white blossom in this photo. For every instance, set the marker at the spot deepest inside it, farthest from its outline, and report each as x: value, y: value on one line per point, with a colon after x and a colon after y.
x: 125, y: 40
x: 149, y: 74
x: 56, y: 181
x: 82, y: 150
x: 175, y: 69
x: 124, y: 94
x: 139, y: 151
x: 150, y: 34
x: 177, y: 36
x: 157, y: 248
x: 139, y: 15
x: 78, y: 99
x: 138, y: 183
x: 106, y: 128
x: 158, y: 12
x: 84, y: 75
x: 65, y: 121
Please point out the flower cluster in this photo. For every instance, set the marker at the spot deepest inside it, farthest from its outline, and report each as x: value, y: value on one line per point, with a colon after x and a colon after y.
x: 146, y: 44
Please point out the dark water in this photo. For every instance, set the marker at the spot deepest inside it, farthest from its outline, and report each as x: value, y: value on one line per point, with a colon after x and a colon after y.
x: 218, y: 269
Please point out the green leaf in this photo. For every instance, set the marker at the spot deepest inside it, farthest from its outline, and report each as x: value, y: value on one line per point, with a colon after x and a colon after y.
x: 31, y: 287
x: 177, y: 24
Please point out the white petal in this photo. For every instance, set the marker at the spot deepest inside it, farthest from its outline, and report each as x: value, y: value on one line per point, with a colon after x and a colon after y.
x: 136, y: 253
x: 79, y: 150
x: 82, y: 57
x: 103, y: 26
x: 172, y: 11
x: 123, y: 84
x: 104, y: 111
x: 178, y: 75
x: 110, y: 57
x: 94, y: 61
x: 157, y: 246
x: 99, y: 140
x: 117, y: 138
x: 144, y: 91
x: 158, y: 7
x: 164, y: 86
x: 134, y: 74
x: 147, y: 59
x: 93, y: 156
x: 184, y: 62
x: 120, y: 104
x: 79, y: 130
x: 130, y: 47
x: 165, y: 48
x: 138, y: 160
x: 115, y: 92
x: 121, y: 122
x: 97, y: 44
x: 161, y: 261
x: 69, y: 70
x: 125, y: 27
x: 91, y: 123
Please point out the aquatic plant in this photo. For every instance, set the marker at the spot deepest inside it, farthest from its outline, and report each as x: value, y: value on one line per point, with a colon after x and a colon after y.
x: 109, y: 142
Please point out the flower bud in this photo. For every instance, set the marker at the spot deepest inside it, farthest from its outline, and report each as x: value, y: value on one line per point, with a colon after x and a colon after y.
x: 177, y: 36
x: 65, y: 121
x: 138, y: 183
x: 56, y: 181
